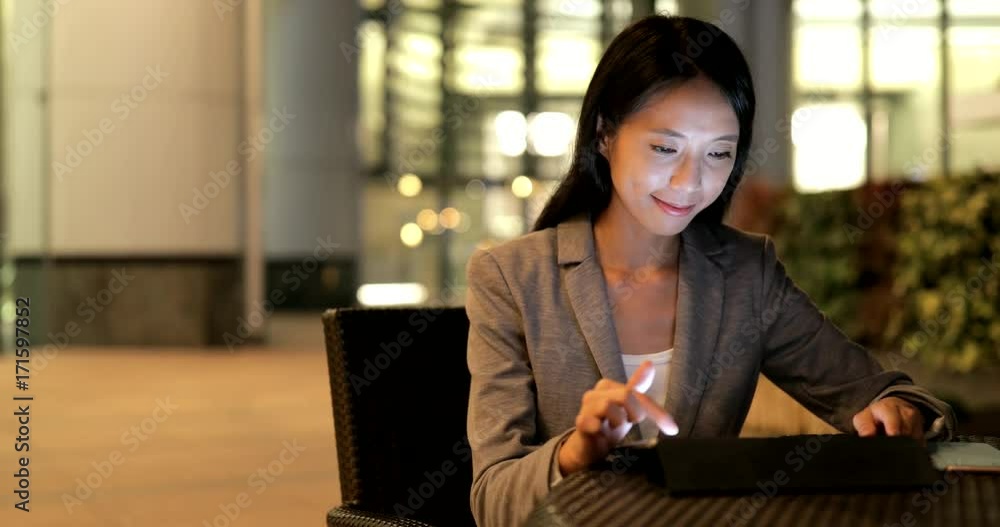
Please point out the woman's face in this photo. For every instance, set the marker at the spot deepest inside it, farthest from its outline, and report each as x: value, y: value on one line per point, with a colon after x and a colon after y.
x: 672, y: 158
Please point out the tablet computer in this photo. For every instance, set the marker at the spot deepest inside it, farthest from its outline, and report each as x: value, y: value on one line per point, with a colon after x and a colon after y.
x: 792, y: 464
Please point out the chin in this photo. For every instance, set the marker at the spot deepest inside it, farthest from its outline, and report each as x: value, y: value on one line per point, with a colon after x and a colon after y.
x: 661, y: 224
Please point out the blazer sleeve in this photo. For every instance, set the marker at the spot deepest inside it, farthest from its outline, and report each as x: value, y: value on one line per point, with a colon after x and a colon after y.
x: 510, y: 463
x: 813, y: 361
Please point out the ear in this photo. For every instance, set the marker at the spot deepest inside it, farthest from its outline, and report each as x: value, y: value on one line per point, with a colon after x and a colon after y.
x: 602, y: 137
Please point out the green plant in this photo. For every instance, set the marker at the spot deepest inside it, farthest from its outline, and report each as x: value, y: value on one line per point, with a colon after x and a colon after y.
x: 819, y: 255
x: 947, y: 275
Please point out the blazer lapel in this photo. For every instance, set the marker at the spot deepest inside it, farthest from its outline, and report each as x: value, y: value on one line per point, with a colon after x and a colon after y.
x: 588, y: 293
x: 588, y: 296
x: 700, y: 297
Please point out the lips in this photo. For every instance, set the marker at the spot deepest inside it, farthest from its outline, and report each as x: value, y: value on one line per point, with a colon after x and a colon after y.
x: 672, y: 208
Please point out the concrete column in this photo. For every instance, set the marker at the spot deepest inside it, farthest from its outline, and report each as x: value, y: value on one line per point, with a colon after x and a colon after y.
x: 313, y: 186
x: 142, y: 172
x: 763, y: 32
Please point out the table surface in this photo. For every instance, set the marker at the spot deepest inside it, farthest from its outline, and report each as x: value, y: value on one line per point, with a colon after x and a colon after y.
x: 613, y: 495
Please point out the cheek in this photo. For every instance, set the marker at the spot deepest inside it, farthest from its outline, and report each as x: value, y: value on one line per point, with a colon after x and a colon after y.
x: 632, y: 176
x: 715, y: 183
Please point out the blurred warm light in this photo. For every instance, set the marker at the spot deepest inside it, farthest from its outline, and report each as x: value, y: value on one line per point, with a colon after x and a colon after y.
x: 427, y: 219
x: 521, y: 186
x: 550, y: 133
x: 392, y: 294
x: 486, y: 244
x: 482, y: 68
x: 420, y: 44
x: 464, y: 222
x: 830, y: 141
x: 506, y: 226
x: 449, y: 218
x: 411, y: 235
x: 7, y: 312
x: 417, y: 70
x: 512, y: 130
x: 409, y: 185
x: 330, y: 277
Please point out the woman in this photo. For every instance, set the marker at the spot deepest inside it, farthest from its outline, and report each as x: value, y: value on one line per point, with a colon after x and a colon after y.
x: 631, y: 303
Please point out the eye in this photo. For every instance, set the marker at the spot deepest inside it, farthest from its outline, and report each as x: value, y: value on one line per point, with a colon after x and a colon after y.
x: 663, y: 149
x: 720, y: 155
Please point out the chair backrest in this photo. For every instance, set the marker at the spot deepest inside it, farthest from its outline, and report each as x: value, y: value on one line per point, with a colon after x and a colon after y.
x: 400, y: 387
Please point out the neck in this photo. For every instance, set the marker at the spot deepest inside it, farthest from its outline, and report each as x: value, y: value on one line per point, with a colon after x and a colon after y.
x: 623, y: 244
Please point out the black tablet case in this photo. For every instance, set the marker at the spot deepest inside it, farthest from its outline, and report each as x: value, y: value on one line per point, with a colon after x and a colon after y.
x: 811, y: 463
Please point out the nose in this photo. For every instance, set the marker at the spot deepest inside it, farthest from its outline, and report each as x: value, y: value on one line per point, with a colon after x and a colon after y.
x: 687, y: 177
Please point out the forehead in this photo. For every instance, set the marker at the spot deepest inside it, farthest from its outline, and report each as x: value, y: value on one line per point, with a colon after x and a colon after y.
x: 693, y: 103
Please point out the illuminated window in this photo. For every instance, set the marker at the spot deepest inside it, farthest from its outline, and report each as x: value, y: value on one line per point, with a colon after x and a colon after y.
x: 371, y: 73
x: 923, y: 120
x: 829, y: 144
x: 975, y: 98
x: 477, y: 100
x: 818, y: 65
x: 974, y: 8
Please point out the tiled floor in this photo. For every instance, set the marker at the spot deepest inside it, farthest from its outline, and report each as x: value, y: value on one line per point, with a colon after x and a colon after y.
x: 230, y: 416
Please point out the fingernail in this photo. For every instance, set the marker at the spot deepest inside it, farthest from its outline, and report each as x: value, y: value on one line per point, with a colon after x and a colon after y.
x: 671, y: 430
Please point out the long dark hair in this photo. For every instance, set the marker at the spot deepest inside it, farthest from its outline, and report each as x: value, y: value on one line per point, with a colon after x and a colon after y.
x: 651, y: 54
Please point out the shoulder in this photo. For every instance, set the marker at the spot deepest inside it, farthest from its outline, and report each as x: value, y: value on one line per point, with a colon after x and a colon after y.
x: 749, y: 257
x: 516, y: 258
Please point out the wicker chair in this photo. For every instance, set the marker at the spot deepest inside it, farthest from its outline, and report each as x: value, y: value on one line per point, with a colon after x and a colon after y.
x: 400, y: 389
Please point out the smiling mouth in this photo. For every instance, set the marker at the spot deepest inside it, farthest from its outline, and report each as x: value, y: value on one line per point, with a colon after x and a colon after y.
x: 673, y: 209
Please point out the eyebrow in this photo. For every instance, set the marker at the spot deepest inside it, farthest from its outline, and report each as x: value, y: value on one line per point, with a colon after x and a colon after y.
x: 675, y: 133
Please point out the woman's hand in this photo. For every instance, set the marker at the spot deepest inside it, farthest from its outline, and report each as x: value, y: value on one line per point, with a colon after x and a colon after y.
x: 607, y: 413
x: 896, y: 416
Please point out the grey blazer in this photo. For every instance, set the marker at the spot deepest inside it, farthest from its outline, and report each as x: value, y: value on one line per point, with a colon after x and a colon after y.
x: 542, y: 333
